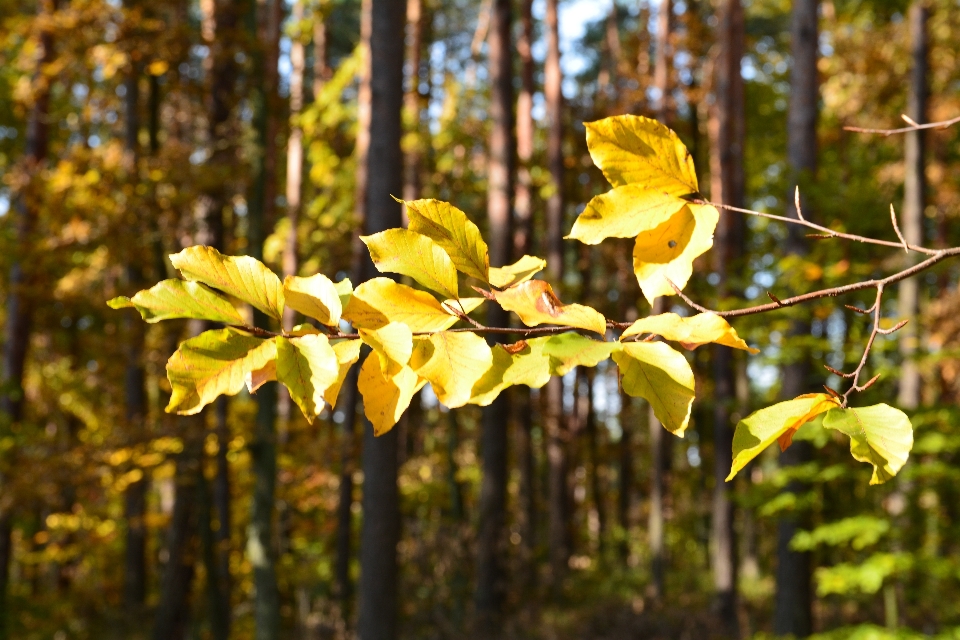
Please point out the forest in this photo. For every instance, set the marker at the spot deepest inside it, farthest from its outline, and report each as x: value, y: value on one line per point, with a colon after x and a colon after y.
x: 547, y: 319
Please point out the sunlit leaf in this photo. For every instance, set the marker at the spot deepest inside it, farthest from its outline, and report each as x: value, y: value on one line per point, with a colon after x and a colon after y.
x: 393, y: 344
x: 348, y: 352
x: 536, y: 304
x: 411, y: 254
x: 212, y: 364
x: 624, y: 212
x: 666, y: 253
x: 775, y: 423
x: 315, y: 297
x: 571, y: 350
x: 307, y: 366
x: 452, y: 362
x: 386, y: 398
x: 260, y: 377
x: 379, y: 301
x: 521, y: 363
x: 880, y: 435
x: 344, y: 291
x: 240, y: 276
x: 691, y: 331
x: 520, y: 271
x: 463, y: 305
x: 454, y: 232
x: 180, y: 299
x: 660, y: 375
x: 639, y: 150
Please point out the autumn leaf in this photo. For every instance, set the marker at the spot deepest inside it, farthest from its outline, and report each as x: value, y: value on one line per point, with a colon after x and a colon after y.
x: 385, y: 398
x: 379, y: 301
x: 411, y: 254
x: 520, y: 271
x: 315, y: 297
x: 307, y: 367
x: 880, y: 435
x: 170, y: 299
x: 666, y: 253
x: 775, y: 423
x: 242, y: 277
x: 348, y: 352
x: 393, y: 344
x: 691, y: 332
x: 536, y: 304
x: 571, y: 350
x: 624, y: 212
x: 212, y: 364
x: 450, y: 228
x: 452, y: 362
x: 522, y: 363
x: 657, y: 373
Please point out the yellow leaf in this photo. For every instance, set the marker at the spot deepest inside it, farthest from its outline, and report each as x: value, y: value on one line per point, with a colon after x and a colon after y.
x: 385, y: 398
x: 315, y: 297
x: 378, y: 302
x: 307, y: 366
x: 452, y: 363
x: 691, y: 332
x: 411, y: 254
x: 779, y: 422
x: 242, y: 277
x: 660, y: 375
x: 348, y: 352
x: 536, y: 304
x: 454, y: 232
x: 170, y: 299
x: 521, y: 363
x: 258, y: 378
x: 466, y: 305
x: 212, y: 364
x: 571, y: 350
x: 520, y: 271
x: 393, y: 343
x: 668, y: 251
x: 638, y: 150
x: 624, y: 212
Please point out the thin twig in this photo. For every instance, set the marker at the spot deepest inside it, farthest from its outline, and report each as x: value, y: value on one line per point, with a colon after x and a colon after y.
x: 943, y: 124
x: 796, y: 203
x: 896, y: 227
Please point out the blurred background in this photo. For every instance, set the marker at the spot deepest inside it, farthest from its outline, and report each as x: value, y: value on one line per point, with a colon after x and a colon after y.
x: 130, y: 129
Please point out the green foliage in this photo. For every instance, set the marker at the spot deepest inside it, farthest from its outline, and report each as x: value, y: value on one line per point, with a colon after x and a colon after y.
x: 857, y: 531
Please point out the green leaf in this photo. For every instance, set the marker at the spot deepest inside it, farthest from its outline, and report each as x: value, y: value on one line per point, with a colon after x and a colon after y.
x: 380, y: 301
x: 666, y: 253
x: 215, y: 363
x: 880, y: 435
x: 307, y: 366
x: 454, y: 232
x: 411, y: 254
x: 315, y: 297
x: 691, y: 331
x: 348, y: 352
x: 662, y: 376
x: 523, y: 362
x: 170, y: 299
x: 624, y: 212
x: 571, y: 350
x: 866, y: 576
x: 638, y: 150
x: 452, y: 362
x: 536, y: 304
x: 242, y: 277
x: 859, y: 531
x: 520, y: 271
x: 775, y: 423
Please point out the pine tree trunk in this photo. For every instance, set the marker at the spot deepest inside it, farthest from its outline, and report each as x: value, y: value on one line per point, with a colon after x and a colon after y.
x: 491, y: 537
x: 793, y: 603
x: 19, y: 305
x: 412, y: 103
x: 726, y: 129
x: 223, y: 512
x: 664, y: 62
x: 523, y: 203
x: 381, y: 508
x: 914, y: 188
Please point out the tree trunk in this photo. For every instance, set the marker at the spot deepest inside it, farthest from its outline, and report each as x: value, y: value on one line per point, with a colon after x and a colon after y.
x: 664, y: 62
x: 625, y: 473
x: 596, y: 463
x: 223, y: 512
x: 491, y: 543
x: 412, y: 102
x: 381, y: 508
x: 792, y: 607
x: 348, y: 407
x: 523, y: 203
x: 914, y: 188
x: 726, y: 130
x: 19, y: 305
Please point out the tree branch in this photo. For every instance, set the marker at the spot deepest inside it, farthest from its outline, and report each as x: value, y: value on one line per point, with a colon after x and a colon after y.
x: 943, y: 124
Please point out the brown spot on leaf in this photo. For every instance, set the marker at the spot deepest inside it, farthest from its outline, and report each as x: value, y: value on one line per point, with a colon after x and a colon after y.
x: 548, y: 303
